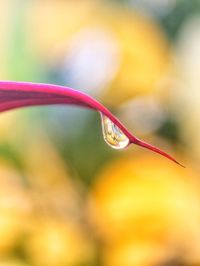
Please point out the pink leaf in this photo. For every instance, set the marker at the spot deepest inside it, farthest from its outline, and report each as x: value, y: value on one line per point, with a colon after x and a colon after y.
x: 21, y: 94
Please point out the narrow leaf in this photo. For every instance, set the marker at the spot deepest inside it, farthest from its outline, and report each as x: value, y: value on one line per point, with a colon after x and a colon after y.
x: 22, y: 94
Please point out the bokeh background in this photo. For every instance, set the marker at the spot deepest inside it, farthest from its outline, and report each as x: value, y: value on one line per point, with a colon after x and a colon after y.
x: 66, y: 198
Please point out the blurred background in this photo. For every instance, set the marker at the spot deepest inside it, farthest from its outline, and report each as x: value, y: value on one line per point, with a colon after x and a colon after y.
x: 66, y: 198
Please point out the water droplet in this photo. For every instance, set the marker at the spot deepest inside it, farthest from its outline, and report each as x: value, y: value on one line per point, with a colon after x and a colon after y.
x: 113, y: 136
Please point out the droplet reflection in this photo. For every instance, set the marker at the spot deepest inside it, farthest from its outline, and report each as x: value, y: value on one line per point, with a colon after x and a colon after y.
x: 113, y: 136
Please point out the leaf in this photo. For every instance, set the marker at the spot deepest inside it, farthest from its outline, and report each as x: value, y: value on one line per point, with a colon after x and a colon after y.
x: 21, y: 94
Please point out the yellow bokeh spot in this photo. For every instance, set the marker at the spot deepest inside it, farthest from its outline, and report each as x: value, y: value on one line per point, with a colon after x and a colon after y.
x: 55, y: 243
x: 147, y: 199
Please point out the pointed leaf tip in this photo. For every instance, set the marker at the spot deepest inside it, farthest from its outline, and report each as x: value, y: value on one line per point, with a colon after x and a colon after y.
x: 157, y: 150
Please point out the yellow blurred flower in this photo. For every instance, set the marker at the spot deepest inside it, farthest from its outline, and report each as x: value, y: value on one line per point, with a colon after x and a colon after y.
x: 52, y: 22
x: 54, y: 243
x: 144, y: 253
x: 136, y: 52
x: 147, y: 200
x: 13, y: 262
x: 56, y: 236
x: 145, y: 57
x: 15, y: 207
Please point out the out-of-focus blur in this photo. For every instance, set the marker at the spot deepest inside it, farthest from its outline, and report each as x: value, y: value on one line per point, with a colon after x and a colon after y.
x: 66, y: 198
